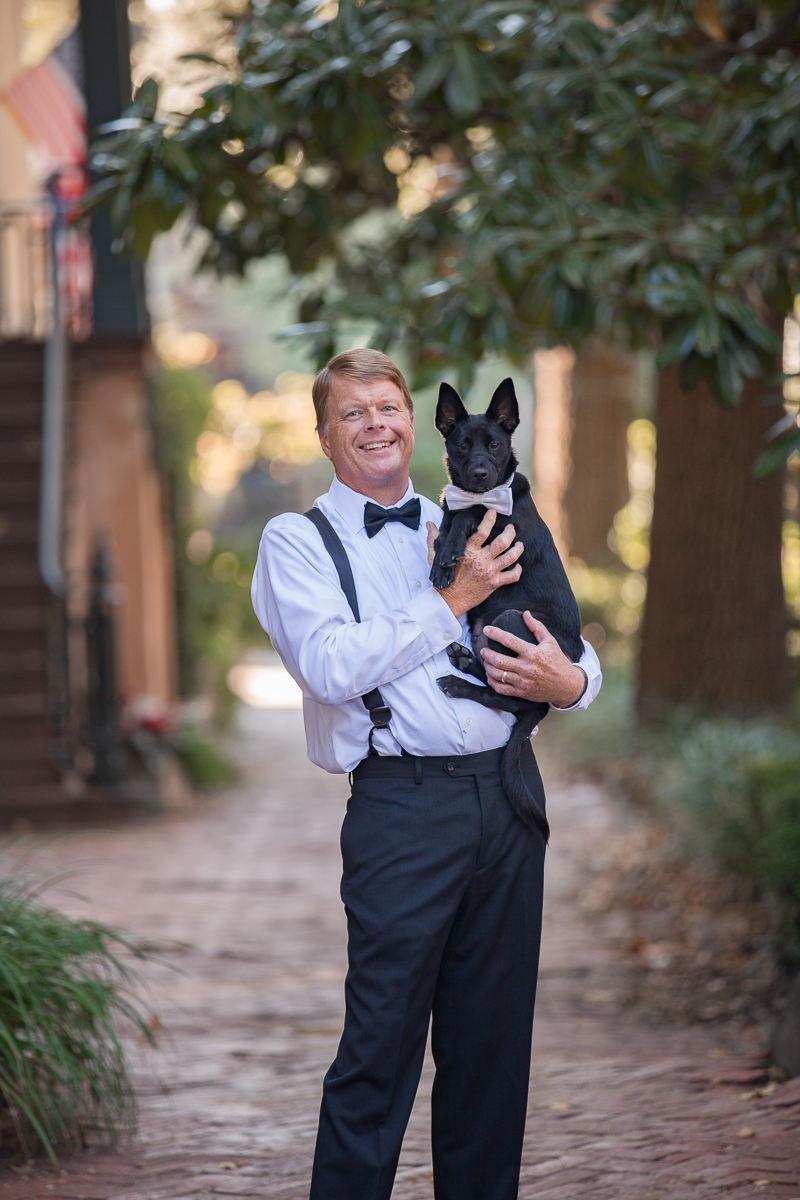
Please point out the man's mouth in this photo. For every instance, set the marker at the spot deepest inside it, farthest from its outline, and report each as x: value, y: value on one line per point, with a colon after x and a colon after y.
x: 376, y: 445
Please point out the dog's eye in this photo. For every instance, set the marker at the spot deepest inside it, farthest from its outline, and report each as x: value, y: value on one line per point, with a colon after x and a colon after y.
x: 494, y: 445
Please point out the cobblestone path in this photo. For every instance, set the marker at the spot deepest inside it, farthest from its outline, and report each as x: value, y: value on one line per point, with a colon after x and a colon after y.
x: 247, y: 887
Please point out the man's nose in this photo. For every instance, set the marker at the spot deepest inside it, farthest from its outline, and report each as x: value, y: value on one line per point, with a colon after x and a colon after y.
x: 375, y: 419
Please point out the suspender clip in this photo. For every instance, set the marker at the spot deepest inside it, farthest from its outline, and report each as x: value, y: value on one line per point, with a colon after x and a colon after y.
x: 381, y: 716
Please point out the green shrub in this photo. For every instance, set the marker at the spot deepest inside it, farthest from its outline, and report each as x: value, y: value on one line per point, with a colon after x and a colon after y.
x: 729, y: 789
x: 63, y: 990
x: 734, y: 789
x: 200, y: 754
x: 773, y: 786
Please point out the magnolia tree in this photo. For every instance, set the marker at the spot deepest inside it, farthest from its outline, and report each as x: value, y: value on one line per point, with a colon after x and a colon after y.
x: 490, y: 179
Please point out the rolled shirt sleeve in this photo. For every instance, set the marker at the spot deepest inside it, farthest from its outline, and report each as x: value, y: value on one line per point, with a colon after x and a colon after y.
x: 299, y: 601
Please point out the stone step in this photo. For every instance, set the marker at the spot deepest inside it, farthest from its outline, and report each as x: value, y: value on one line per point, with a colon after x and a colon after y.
x: 16, y: 413
x: 22, y: 662
x: 21, y: 704
x: 22, y: 618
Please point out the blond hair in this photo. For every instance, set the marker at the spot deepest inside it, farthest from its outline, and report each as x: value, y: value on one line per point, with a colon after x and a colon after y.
x: 368, y: 366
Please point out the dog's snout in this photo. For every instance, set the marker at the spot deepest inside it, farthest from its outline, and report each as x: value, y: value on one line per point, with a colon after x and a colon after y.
x: 480, y: 474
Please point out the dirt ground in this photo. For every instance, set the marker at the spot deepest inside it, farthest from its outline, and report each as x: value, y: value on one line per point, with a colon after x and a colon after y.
x: 244, y: 890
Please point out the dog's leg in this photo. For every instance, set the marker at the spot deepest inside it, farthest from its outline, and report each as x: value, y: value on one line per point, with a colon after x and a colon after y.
x: 470, y: 662
x: 443, y: 570
x: 462, y: 689
x: 450, y: 548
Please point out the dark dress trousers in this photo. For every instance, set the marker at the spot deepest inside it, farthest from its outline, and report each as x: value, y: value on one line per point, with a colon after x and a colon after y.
x: 442, y: 887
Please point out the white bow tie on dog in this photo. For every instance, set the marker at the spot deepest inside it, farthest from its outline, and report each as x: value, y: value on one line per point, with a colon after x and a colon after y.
x: 499, y: 498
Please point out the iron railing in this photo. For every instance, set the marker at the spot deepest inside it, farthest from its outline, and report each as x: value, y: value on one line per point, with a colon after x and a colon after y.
x: 26, y: 270
x: 26, y: 298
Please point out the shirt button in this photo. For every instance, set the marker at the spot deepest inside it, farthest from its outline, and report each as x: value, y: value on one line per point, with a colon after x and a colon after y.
x: 418, y: 583
x: 408, y: 666
x: 469, y: 720
x: 401, y: 539
x: 450, y: 767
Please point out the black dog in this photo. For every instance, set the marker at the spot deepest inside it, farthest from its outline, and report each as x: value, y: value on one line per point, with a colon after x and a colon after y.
x: 479, y: 458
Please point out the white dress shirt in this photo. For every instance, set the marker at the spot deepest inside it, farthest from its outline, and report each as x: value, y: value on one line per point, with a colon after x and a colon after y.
x: 399, y: 646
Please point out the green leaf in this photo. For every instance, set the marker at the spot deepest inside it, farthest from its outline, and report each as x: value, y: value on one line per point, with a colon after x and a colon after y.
x: 198, y: 57
x: 461, y: 88
x: 708, y: 332
x: 749, y: 323
x: 775, y: 457
x: 431, y: 75
x: 729, y: 384
x: 672, y: 288
x: 677, y: 344
x: 146, y: 100
x: 175, y: 156
x: 670, y: 96
x: 572, y: 268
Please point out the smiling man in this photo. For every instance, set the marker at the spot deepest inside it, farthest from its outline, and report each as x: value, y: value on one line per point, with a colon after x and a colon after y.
x: 442, y: 882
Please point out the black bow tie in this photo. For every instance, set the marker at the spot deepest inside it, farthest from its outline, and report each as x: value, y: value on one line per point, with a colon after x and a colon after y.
x: 376, y: 517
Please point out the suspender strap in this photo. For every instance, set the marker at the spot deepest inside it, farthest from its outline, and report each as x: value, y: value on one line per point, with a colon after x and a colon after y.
x: 380, y: 713
x: 338, y: 553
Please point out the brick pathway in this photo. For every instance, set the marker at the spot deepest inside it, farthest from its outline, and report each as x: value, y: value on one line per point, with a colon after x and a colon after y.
x: 248, y: 888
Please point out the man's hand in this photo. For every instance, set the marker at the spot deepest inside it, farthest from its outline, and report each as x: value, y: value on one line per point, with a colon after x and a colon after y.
x: 484, y: 567
x: 433, y: 534
x: 541, y: 672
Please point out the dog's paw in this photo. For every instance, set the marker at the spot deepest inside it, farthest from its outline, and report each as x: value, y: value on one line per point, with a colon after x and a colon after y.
x: 442, y: 576
x: 451, y: 685
x: 462, y: 658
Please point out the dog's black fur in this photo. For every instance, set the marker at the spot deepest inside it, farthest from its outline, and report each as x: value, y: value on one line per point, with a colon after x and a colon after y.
x: 478, y: 458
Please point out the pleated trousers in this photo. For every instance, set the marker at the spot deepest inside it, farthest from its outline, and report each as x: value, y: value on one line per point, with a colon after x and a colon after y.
x: 442, y: 887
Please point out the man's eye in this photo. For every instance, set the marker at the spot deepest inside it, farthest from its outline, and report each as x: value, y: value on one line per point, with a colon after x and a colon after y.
x: 353, y: 413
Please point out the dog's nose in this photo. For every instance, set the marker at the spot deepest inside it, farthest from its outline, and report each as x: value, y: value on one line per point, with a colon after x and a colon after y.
x: 480, y: 474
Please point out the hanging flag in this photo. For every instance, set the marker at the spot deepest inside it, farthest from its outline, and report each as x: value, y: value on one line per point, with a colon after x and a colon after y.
x: 48, y: 103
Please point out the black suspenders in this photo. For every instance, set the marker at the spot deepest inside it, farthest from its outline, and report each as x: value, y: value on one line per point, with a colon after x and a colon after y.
x: 380, y: 713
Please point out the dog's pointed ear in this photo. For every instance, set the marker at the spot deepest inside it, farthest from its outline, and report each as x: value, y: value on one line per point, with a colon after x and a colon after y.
x: 449, y: 410
x: 504, y: 409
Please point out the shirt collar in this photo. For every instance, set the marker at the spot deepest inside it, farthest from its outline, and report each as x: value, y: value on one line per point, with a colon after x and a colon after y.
x: 350, y: 504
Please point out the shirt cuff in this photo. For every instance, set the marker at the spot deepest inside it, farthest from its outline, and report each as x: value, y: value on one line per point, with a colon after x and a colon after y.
x: 435, y: 618
x: 590, y: 665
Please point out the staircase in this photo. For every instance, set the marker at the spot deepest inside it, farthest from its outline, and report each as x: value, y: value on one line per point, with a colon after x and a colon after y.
x: 27, y: 777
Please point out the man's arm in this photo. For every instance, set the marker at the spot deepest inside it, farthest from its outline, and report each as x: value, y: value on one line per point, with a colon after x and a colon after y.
x: 542, y: 672
x: 298, y: 600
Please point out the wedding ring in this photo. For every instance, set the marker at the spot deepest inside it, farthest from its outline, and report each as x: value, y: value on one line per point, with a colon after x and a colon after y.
x: 503, y: 678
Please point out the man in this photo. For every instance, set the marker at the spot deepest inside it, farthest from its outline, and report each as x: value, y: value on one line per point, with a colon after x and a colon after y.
x: 442, y: 883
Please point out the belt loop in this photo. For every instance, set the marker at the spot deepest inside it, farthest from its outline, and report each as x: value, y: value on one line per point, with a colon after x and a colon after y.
x: 418, y: 771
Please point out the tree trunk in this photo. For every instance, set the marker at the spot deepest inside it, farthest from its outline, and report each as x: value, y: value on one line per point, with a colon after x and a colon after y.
x: 552, y: 432
x: 603, y: 387
x: 715, y: 623
x: 583, y: 406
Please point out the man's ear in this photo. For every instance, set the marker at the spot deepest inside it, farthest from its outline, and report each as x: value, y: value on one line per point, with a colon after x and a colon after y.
x: 449, y: 410
x: 504, y: 410
x: 322, y: 434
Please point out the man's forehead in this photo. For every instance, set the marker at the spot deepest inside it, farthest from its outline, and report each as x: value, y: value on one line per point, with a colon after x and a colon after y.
x: 345, y: 389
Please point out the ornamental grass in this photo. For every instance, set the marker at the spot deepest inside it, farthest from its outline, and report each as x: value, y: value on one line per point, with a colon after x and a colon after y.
x: 67, y: 990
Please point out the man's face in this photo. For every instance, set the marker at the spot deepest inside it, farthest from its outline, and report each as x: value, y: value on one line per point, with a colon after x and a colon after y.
x: 369, y: 435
